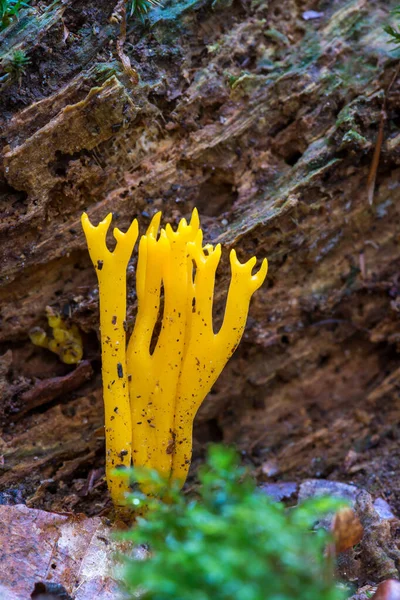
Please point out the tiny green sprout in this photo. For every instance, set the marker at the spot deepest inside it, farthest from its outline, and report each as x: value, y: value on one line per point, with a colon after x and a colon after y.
x: 15, y: 65
x: 392, y: 31
x: 9, y: 10
x: 140, y: 8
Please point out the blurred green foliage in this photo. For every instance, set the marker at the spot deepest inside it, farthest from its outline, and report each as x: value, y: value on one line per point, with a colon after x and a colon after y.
x: 140, y: 8
x: 9, y: 10
x: 392, y: 31
x: 231, y: 543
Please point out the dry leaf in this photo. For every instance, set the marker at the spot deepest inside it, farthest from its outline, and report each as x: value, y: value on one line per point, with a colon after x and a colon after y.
x: 347, y: 529
x: 387, y: 590
x: 38, y: 547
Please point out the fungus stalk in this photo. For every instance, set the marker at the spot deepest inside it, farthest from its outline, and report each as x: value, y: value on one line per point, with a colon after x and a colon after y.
x: 151, y: 395
x: 111, y: 273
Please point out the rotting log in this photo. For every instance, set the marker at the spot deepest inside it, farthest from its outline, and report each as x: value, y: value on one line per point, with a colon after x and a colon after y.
x: 265, y: 121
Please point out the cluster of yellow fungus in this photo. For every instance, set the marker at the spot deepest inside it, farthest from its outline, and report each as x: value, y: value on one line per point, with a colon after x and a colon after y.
x: 65, y: 341
x: 151, y: 395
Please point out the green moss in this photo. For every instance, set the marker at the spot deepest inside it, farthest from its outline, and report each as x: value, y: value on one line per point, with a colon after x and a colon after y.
x: 309, y: 50
x: 351, y: 73
x: 104, y: 71
x: 231, y: 542
x: 346, y: 19
x: 348, y: 115
x: 246, y: 82
x: 352, y: 137
x: 277, y: 36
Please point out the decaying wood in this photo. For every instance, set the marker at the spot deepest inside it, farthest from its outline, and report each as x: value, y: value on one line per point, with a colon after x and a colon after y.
x: 265, y: 121
x: 47, y: 389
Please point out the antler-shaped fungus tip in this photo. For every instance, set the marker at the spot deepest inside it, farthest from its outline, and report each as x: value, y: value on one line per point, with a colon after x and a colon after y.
x: 182, y: 225
x: 154, y: 224
x: 96, y: 236
x: 195, y: 220
x: 261, y: 274
x: 132, y: 233
x: 103, y: 225
x: 242, y: 269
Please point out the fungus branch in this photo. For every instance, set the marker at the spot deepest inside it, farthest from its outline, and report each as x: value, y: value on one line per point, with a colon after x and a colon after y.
x: 66, y: 340
x: 166, y: 385
x: 111, y: 273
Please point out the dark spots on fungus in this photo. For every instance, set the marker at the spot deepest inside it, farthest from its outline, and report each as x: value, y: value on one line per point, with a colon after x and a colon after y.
x: 100, y: 264
x: 129, y: 377
x: 114, y: 320
x: 122, y: 454
x: 116, y: 409
x: 171, y: 447
x: 120, y: 370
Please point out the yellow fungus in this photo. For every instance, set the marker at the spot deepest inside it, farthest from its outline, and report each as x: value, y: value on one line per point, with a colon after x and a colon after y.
x: 151, y: 395
x: 66, y: 340
x: 111, y: 273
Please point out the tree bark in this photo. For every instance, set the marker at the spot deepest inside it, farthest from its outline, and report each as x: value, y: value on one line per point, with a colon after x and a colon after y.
x: 264, y: 115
